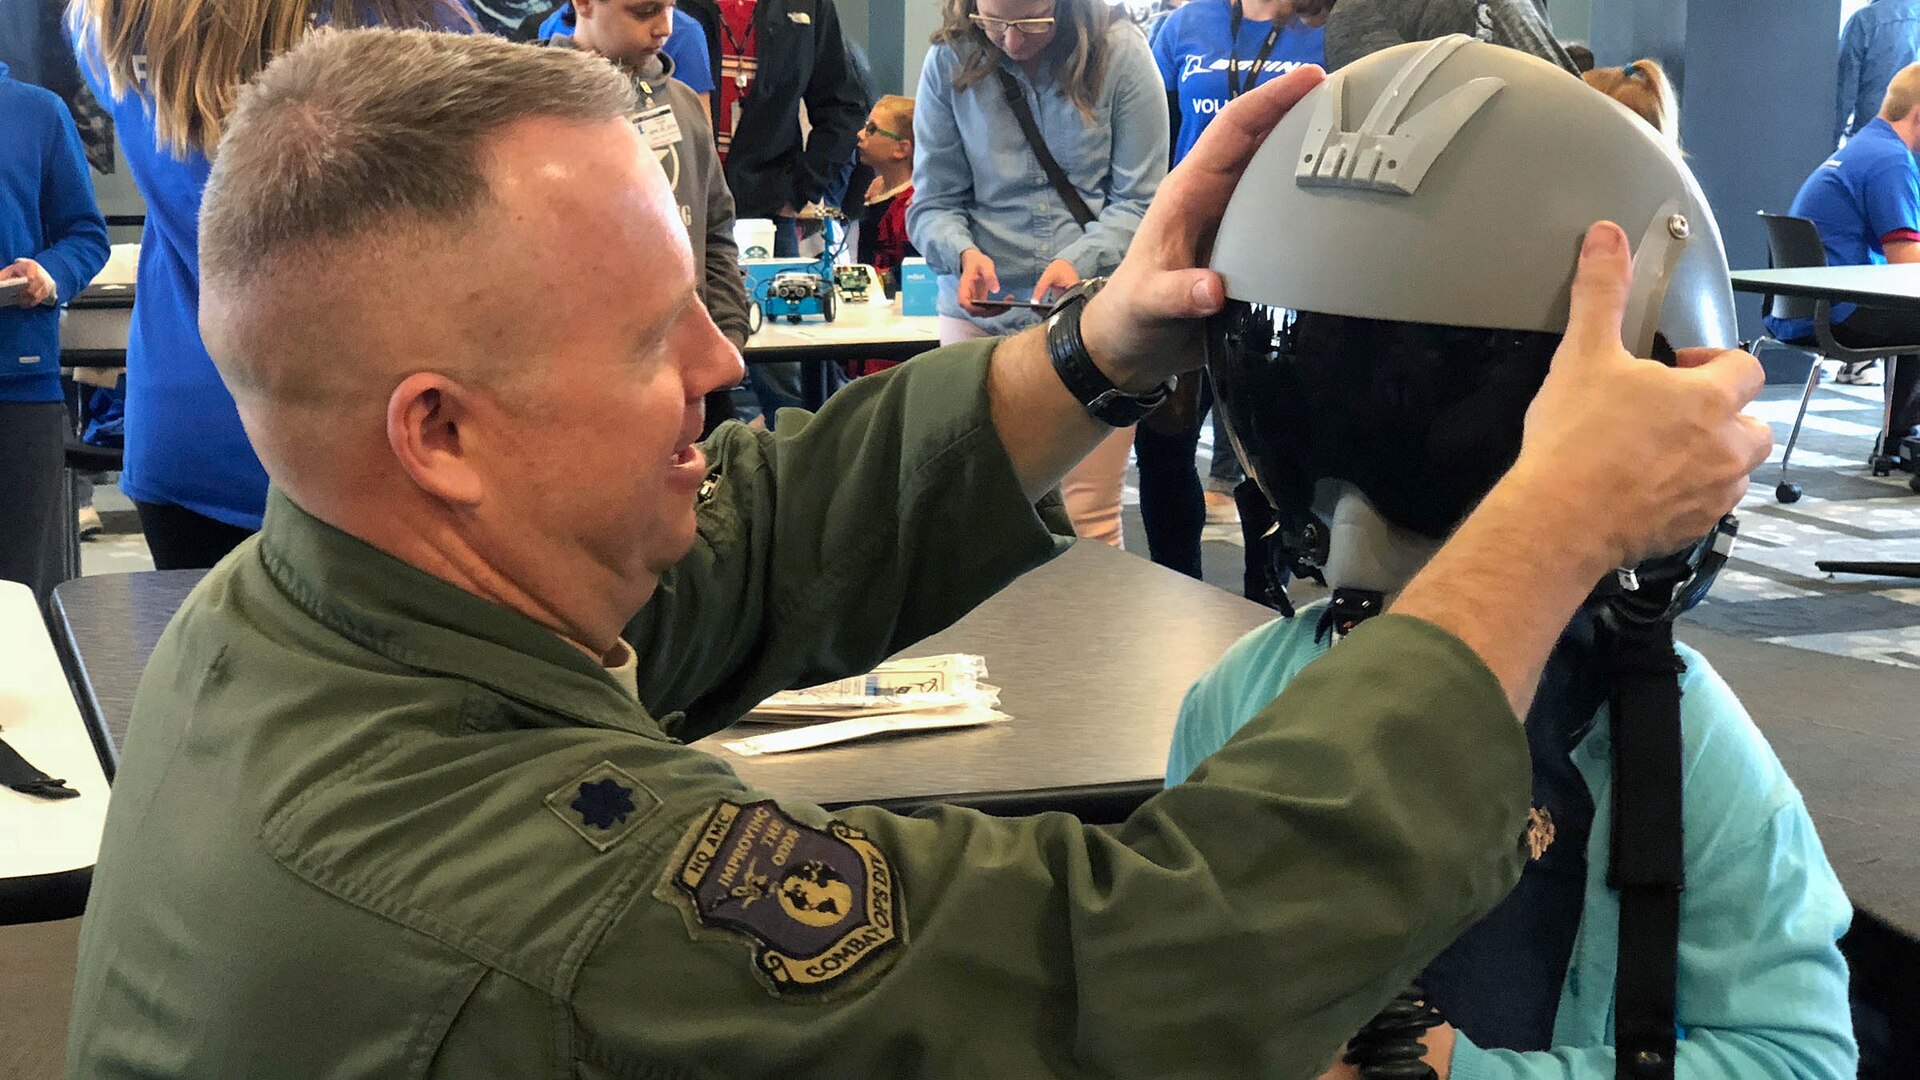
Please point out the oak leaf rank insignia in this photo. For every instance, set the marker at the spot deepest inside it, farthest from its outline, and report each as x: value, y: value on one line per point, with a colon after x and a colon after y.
x: 604, y: 804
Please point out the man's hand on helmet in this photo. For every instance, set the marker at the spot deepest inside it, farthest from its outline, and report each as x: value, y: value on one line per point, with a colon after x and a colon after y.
x: 1657, y: 454
x: 1145, y: 325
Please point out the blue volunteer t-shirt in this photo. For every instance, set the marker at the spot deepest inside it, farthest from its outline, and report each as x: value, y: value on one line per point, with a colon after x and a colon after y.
x: 47, y: 215
x: 686, y: 47
x: 1194, y: 48
x: 1866, y: 193
x: 185, y: 446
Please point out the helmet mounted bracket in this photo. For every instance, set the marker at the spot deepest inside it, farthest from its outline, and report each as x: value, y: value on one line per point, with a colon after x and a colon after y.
x: 1390, y: 151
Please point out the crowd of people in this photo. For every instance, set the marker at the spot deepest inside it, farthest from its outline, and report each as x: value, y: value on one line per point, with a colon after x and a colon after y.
x: 953, y: 176
x: 494, y: 553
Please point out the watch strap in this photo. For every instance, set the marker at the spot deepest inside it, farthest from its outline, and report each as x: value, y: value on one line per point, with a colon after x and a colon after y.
x: 1083, y: 379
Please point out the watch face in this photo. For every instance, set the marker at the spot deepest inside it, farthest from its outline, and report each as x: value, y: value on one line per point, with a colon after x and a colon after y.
x: 1083, y: 290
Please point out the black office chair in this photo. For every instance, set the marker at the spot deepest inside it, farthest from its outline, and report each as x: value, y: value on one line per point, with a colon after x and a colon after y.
x: 82, y: 457
x: 1795, y: 242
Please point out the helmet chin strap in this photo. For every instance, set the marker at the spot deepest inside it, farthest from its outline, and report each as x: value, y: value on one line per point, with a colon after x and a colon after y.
x: 1369, y: 558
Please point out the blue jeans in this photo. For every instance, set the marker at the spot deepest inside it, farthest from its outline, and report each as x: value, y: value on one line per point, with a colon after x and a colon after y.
x: 1225, y: 473
x: 777, y: 386
x: 1172, y: 509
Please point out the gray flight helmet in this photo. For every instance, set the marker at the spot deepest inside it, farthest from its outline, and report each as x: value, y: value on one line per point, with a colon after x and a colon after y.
x: 1398, y: 260
x: 1450, y: 182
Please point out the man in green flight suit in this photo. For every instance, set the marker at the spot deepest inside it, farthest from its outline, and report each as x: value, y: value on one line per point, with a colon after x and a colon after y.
x: 406, y: 791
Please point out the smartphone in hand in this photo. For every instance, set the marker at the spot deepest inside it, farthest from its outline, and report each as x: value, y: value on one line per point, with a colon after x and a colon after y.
x: 1010, y: 303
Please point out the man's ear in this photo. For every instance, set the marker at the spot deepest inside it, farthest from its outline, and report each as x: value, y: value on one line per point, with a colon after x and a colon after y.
x: 429, y: 417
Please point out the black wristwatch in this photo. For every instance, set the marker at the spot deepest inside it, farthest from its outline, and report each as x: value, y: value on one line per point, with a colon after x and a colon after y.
x: 1103, y: 401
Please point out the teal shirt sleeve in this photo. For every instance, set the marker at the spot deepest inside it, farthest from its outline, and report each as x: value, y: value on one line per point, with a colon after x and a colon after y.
x: 1762, y: 984
x: 1248, y: 676
x: 840, y: 540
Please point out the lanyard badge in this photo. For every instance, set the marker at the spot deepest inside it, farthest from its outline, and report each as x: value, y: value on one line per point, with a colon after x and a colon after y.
x: 1234, y: 87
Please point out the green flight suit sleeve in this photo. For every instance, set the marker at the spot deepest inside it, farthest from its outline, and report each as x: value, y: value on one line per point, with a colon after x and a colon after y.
x: 840, y: 540
x: 1242, y: 924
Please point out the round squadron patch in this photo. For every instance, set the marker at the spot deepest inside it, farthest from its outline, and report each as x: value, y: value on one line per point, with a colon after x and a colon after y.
x: 819, y: 906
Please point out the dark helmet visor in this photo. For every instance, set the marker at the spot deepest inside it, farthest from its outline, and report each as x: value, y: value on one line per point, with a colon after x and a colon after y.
x: 1422, y: 418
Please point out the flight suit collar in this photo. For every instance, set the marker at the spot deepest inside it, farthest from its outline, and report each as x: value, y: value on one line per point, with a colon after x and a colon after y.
x: 416, y: 619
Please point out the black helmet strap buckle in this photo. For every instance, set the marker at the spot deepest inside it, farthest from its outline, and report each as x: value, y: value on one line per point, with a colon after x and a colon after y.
x: 1347, y: 608
x: 1645, y: 863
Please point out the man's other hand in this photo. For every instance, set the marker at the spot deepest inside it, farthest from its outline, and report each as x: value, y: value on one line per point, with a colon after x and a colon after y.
x: 1059, y: 277
x: 1143, y: 328
x: 40, y: 287
x: 1652, y: 455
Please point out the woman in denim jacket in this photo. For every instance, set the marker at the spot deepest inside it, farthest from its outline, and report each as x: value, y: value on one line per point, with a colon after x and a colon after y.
x: 983, y: 211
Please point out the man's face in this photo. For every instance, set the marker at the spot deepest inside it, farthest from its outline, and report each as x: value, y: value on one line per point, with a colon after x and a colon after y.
x: 588, y: 454
x: 1019, y: 45
x: 630, y: 31
x: 878, y: 142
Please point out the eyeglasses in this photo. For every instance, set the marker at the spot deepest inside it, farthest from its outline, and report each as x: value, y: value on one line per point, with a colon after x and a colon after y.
x: 1027, y: 27
x: 875, y: 129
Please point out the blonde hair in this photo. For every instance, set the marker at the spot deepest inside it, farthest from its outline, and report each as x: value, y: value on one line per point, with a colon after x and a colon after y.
x: 190, y: 57
x: 1643, y: 87
x: 1078, y: 48
x: 899, y: 110
x: 1903, y: 94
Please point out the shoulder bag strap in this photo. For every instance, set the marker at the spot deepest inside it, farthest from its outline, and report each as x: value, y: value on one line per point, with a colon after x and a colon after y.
x: 1017, y: 101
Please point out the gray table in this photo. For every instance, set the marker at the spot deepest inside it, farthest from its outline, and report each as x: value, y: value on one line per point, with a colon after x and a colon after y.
x: 1094, y: 652
x: 1890, y: 286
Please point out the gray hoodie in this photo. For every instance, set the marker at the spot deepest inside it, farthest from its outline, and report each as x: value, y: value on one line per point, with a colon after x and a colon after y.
x: 1357, y: 28
x: 699, y: 186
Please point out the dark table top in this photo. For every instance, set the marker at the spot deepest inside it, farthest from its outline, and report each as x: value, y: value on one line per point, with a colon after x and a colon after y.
x: 1094, y: 652
x: 1891, y: 286
x: 104, y: 296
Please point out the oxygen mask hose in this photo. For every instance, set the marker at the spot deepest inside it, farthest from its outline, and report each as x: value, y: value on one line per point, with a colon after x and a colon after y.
x: 1390, y: 1046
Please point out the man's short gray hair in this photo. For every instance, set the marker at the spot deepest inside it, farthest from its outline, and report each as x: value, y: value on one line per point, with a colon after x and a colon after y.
x: 354, y: 131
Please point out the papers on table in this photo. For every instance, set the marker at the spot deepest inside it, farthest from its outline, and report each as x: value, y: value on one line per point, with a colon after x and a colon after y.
x: 932, y: 682
x: 922, y: 694
x: 839, y: 731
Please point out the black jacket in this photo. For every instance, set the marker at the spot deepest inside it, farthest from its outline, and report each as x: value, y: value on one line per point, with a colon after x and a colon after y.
x: 802, y: 56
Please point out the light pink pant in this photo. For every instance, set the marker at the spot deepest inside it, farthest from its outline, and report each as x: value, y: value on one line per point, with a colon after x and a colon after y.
x: 1092, y: 489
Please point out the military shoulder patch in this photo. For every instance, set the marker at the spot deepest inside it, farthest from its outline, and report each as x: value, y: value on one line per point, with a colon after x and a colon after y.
x: 818, y: 906
x: 604, y: 804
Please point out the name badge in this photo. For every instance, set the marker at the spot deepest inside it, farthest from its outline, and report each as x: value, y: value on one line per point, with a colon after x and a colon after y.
x: 658, y: 127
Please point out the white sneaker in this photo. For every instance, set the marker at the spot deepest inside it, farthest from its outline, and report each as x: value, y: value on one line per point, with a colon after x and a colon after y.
x: 1864, y: 373
x: 88, y: 522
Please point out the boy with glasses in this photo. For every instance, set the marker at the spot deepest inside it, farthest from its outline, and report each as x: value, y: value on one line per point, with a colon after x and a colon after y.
x: 673, y: 119
x: 886, y: 147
